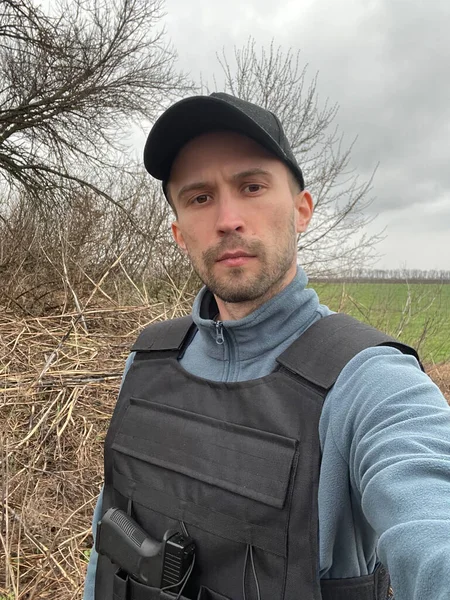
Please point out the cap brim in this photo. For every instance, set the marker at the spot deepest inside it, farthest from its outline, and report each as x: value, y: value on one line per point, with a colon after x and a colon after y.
x: 191, y: 117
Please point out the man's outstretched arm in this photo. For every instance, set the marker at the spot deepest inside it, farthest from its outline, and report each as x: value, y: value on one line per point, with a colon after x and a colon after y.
x: 392, y: 427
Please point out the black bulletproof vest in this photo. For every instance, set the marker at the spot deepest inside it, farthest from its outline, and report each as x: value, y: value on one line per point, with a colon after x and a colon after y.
x: 237, y: 463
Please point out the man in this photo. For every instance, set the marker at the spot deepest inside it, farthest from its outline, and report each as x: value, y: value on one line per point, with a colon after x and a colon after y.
x: 299, y: 450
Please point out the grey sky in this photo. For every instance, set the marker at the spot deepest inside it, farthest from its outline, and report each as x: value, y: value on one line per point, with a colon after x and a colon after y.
x: 387, y: 64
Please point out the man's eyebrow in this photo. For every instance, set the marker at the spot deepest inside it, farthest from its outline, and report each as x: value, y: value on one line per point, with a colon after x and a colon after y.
x: 251, y: 172
x: 196, y: 185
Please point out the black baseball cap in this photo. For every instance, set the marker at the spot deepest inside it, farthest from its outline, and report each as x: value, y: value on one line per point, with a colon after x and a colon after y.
x: 193, y: 116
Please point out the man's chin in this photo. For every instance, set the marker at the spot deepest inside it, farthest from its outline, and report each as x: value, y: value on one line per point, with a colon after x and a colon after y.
x: 237, y: 291
x: 239, y: 297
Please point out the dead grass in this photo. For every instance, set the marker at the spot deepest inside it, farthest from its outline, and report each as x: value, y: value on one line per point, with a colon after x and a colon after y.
x: 440, y: 374
x: 59, y: 377
x: 58, y: 384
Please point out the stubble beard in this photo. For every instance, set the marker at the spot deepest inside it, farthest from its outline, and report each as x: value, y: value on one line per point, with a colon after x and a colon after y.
x: 236, y: 285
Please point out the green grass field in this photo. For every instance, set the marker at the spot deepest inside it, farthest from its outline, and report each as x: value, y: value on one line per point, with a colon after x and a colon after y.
x: 416, y: 313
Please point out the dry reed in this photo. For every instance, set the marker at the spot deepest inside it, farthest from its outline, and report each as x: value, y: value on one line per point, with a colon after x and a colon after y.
x: 59, y: 380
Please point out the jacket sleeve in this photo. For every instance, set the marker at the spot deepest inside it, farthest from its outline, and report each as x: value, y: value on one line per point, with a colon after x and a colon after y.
x: 392, y: 428
x: 89, y: 584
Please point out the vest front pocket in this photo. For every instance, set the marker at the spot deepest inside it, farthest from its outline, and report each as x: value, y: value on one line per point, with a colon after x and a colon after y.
x: 376, y: 585
x: 207, y: 594
x: 227, y: 482
x: 225, y: 478
x: 252, y: 463
x: 120, y: 587
x: 127, y: 588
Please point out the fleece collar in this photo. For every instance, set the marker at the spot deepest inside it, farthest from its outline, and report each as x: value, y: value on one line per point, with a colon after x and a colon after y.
x: 285, y: 315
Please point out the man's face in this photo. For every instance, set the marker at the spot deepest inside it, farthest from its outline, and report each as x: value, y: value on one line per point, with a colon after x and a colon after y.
x: 237, y: 216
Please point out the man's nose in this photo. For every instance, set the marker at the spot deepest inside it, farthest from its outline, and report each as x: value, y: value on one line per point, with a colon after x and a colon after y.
x: 229, y: 216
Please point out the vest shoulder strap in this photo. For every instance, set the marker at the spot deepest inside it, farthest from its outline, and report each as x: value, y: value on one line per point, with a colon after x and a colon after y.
x: 323, y: 350
x: 164, y: 336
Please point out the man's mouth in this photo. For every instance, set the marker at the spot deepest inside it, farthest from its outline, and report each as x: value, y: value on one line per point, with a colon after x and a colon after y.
x: 235, y: 258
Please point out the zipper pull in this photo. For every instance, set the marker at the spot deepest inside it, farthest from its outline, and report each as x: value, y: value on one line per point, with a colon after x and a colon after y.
x: 219, y: 333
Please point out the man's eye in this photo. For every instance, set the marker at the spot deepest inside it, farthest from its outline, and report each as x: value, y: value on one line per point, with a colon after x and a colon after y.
x: 253, y: 187
x: 201, y: 199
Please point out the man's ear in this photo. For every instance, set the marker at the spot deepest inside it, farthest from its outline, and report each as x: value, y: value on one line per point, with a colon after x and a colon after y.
x: 304, y: 209
x: 178, y: 236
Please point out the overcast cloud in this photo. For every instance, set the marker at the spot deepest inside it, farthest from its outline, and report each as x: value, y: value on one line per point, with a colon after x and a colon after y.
x: 387, y: 64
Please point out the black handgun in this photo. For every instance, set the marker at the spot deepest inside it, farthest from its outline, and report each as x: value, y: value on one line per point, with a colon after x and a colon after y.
x: 153, y: 563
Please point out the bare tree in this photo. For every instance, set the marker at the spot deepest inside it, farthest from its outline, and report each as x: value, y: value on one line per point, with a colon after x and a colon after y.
x: 72, y: 83
x: 75, y: 79
x: 275, y: 79
x: 81, y: 238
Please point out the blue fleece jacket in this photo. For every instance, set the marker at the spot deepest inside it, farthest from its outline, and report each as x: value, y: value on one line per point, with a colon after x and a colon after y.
x: 384, y: 490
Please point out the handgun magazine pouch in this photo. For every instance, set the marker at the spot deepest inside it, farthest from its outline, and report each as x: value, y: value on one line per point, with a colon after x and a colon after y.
x: 238, y: 463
